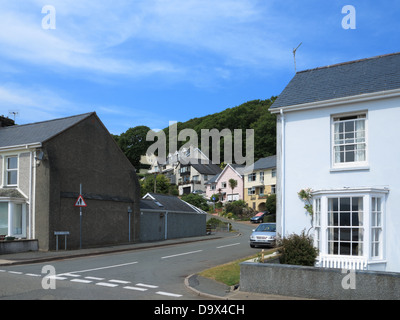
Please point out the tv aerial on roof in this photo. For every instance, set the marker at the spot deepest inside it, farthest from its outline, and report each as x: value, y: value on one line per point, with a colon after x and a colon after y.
x: 14, y: 113
x: 294, y: 56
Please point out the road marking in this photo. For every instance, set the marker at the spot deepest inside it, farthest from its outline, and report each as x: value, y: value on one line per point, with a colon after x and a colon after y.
x: 119, y: 281
x: 70, y: 275
x: 81, y: 281
x: 146, y: 285
x: 33, y: 275
x: 107, y: 267
x: 229, y: 245
x: 15, y: 272
x: 105, y: 284
x: 168, y: 294
x: 56, y: 278
x: 94, y: 278
x: 181, y: 254
x: 135, y: 288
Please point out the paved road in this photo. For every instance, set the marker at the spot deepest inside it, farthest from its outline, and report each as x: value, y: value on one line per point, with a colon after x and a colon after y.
x: 148, y: 274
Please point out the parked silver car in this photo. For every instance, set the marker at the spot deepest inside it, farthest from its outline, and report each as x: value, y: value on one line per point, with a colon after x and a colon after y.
x: 264, y: 235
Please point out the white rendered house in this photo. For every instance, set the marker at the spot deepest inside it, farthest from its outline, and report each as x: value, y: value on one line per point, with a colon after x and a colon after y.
x: 338, y: 131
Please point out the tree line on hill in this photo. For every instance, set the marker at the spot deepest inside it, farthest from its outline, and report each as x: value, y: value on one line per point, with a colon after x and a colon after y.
x: 249, y: 115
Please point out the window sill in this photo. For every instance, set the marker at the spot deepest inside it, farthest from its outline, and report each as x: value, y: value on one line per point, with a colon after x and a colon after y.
x: 355, y: 168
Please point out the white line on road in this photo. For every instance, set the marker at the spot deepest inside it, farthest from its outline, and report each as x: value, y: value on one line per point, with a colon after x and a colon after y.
x: 81, y: 281
x: 56, y: 277
x: 146, y: 285
x: 107, y: 267
x: 168, y: 294
x: 32, y: 275
x: 229, y: 245
x: 181, y: 254
x: 94, y: 278
x: 135, y: 288
x: 69, y: 275
x: 119, y: 281
x: 105, y: 284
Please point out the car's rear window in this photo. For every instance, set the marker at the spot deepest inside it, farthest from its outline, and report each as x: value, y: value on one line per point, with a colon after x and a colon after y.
x: 266, y: 227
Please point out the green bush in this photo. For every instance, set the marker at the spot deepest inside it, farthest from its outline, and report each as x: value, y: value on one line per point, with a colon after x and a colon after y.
x: 239, y: 209
x: 196, y: 200
x: 297, y: 250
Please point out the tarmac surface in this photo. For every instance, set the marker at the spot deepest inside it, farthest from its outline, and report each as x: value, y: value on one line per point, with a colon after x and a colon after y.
x: 200, y: 286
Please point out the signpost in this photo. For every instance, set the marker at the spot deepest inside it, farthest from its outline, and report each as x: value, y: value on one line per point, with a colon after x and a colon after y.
x: 80, y: 202
x: 61, y: 233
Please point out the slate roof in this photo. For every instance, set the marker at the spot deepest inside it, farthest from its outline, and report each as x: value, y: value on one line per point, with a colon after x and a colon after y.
x: 381, y: 73
x: 265, y: 163
x: 209, y: 169
x: 37, y: 132
x: 167, y: 203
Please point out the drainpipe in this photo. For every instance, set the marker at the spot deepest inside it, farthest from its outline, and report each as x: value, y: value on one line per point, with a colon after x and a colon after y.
x: 283, y: 220
x: 33, y: 199
x: 166, y: 225
x: 30, y: 195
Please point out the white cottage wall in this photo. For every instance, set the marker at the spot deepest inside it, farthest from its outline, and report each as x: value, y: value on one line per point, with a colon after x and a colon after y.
x: 308, y: 164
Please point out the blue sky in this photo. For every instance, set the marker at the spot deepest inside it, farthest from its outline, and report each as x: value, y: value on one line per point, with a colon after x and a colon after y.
x: 148, y: 62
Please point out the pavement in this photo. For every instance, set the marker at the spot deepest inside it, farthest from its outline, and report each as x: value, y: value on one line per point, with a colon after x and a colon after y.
x: 198, y: 285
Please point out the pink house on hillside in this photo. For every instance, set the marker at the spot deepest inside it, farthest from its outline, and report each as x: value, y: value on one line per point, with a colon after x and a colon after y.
x: 220, y: 184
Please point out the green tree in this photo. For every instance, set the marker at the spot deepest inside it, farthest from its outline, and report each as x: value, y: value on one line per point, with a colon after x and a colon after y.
x: 133, y: 143
x: 232, y: 184
x: 162, y: 185
x: 196, y: 200
x: 270, y: 203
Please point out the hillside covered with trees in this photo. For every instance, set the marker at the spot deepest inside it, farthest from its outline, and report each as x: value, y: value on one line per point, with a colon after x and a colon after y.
x: 250, y: 115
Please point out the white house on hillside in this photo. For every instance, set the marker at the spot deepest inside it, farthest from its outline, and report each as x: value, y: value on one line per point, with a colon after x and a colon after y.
x: 337, y: 129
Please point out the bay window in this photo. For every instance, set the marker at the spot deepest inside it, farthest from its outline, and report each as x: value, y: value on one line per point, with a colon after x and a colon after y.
x: 345, y: 226
x: 349, y: 224
x: 13, y: 219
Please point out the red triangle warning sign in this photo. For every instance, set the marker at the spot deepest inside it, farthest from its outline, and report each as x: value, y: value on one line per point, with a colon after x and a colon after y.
x: 80, y: 202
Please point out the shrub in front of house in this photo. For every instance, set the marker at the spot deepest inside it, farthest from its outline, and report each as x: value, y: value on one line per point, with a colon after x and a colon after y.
x: 239, y: 209
x: 297, y: 250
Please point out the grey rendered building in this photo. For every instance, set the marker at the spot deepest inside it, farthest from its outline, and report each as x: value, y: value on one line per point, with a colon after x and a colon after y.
x: 42, y: 166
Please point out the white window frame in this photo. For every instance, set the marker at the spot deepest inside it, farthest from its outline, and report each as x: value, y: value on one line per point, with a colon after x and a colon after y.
x: 320, y: 221
x: 340, y: 228
x: 11, y: 218
x: 351, y: 165
x: 7, y: 170
x: 251, y: 191
x: 377, y: 225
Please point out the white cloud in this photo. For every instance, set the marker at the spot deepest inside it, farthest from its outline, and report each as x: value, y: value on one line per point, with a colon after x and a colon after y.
x: 91, y: 35
x: 35, y: 103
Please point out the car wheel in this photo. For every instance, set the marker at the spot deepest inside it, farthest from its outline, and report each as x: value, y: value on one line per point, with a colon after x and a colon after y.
x: 252, y: 246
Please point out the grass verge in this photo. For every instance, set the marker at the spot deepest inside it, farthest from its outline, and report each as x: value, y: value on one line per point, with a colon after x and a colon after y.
x: 229, y: 273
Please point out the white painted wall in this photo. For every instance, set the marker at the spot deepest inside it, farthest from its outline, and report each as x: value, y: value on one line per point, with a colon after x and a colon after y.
x: 308, y: 164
